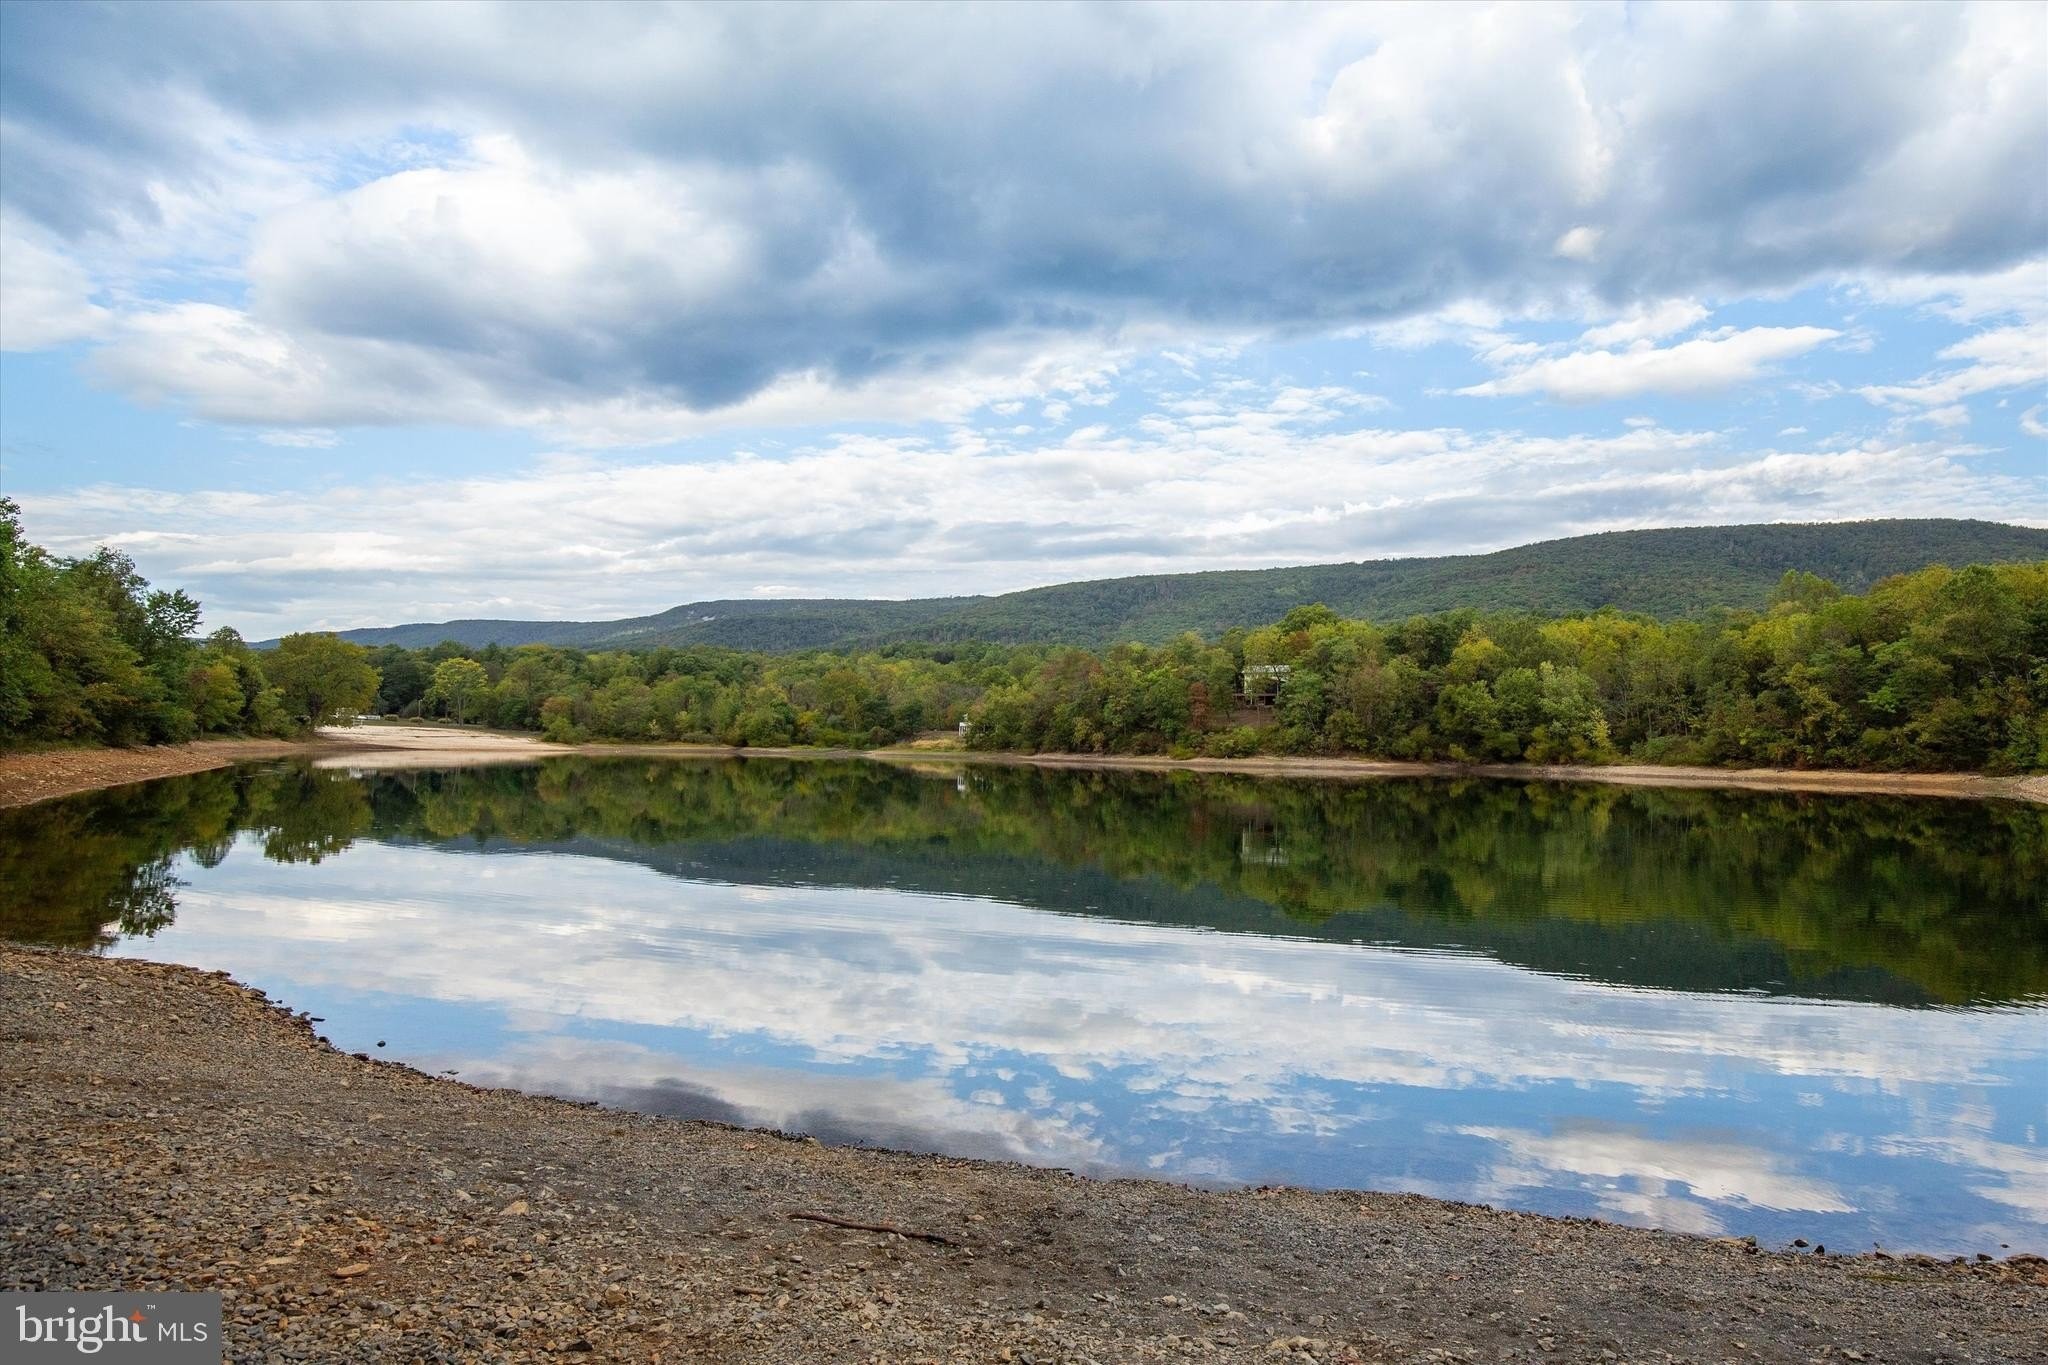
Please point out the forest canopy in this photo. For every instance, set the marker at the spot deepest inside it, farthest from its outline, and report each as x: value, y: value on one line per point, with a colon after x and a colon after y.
x: 1944, y: 669
x: 90, y: 653
x: 1668, y: 572
x: 1939, y: 669
x: 1936, y: 669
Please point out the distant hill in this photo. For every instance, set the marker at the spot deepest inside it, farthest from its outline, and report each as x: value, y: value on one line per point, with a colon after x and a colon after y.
x: 780, y: 624
x: 1667, y: 573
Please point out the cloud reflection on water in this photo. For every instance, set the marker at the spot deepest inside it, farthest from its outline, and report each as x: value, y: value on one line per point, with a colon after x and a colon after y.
x: 982, y: 1028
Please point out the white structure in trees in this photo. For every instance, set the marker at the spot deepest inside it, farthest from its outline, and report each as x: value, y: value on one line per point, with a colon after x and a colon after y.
x: 1262, y: 682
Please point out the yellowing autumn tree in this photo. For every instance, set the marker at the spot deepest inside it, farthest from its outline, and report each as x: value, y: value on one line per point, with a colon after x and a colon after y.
x: 458, y: 683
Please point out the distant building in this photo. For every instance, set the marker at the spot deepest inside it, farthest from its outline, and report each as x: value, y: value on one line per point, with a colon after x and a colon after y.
x: 1262, y: 682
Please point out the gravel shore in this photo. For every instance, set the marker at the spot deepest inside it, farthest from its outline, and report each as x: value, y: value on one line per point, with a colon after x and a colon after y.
x: 43, y: 774
x: 167, y: 1128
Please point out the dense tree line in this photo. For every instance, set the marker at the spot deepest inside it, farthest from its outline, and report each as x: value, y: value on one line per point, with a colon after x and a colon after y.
x: 1936, y: 669
x: 1940, y: 669
x: 90, y: 653
x: 700, y: 694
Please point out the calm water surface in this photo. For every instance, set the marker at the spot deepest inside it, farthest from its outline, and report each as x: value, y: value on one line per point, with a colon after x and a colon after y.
x: 1756, y: 1014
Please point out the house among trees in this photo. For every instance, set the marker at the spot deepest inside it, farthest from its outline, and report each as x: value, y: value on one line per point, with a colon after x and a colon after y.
x: 1262, y: 683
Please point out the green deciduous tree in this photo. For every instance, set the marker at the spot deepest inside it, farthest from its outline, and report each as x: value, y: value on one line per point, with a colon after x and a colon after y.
x: 321, y: 678
x: 458, y: 685
x: 1942, y: 668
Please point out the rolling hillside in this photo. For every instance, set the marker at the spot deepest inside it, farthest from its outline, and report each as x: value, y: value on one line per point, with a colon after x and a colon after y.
x: 1672, y: 572
x: 776, y: 624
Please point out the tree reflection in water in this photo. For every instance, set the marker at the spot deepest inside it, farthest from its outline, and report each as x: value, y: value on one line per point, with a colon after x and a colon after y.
x: 1903, y: 901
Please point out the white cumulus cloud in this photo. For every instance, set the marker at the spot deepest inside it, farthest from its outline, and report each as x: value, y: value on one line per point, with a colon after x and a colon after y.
x: 2002, y: 358
x: 1700, y: 365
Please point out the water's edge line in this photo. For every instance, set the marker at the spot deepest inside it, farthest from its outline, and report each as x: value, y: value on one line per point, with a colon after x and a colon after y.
x: 98, y: 769
x: 365, y: 748
x: 295, y: 1028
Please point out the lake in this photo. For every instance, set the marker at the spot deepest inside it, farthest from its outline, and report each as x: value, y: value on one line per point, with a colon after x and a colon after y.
x: 1753, y: 1014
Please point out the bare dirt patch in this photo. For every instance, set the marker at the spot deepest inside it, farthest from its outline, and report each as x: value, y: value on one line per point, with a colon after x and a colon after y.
x: 45, y: 773
x: 37, y: 776
x: 1974, y: 786
x: 439, y: 739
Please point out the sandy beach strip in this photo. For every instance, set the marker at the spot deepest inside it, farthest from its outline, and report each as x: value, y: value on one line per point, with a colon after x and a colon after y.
x: 42, y: 774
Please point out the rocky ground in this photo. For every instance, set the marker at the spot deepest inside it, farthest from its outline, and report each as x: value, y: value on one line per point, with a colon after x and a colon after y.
x: 169, y: 1129
x: 40, y: 774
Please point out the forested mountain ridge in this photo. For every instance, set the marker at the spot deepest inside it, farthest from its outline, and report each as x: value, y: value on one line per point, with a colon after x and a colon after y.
x: 1942, y: 668
x: 1667, y: 573
x: 776, y: 625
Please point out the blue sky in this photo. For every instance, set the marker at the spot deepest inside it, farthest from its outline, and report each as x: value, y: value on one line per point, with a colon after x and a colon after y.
x: 350, y: 315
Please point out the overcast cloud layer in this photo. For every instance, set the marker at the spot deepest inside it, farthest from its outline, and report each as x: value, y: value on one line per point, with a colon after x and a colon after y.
x: 304, y: 302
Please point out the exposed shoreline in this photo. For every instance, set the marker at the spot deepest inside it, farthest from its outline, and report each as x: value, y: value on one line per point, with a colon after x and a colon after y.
x: 1976, y: 786
x: 169, y: 1128
x: 43, y: 774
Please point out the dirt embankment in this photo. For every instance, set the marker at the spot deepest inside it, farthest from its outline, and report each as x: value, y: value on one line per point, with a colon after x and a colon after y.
x: 169, y: 1129
x: 421, y: 745
x: 1971, y: 785
x: 37, y: 776
x: 41, y: 774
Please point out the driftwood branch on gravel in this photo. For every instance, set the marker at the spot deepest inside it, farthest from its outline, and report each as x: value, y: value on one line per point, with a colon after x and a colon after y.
x: 874, y: 1227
